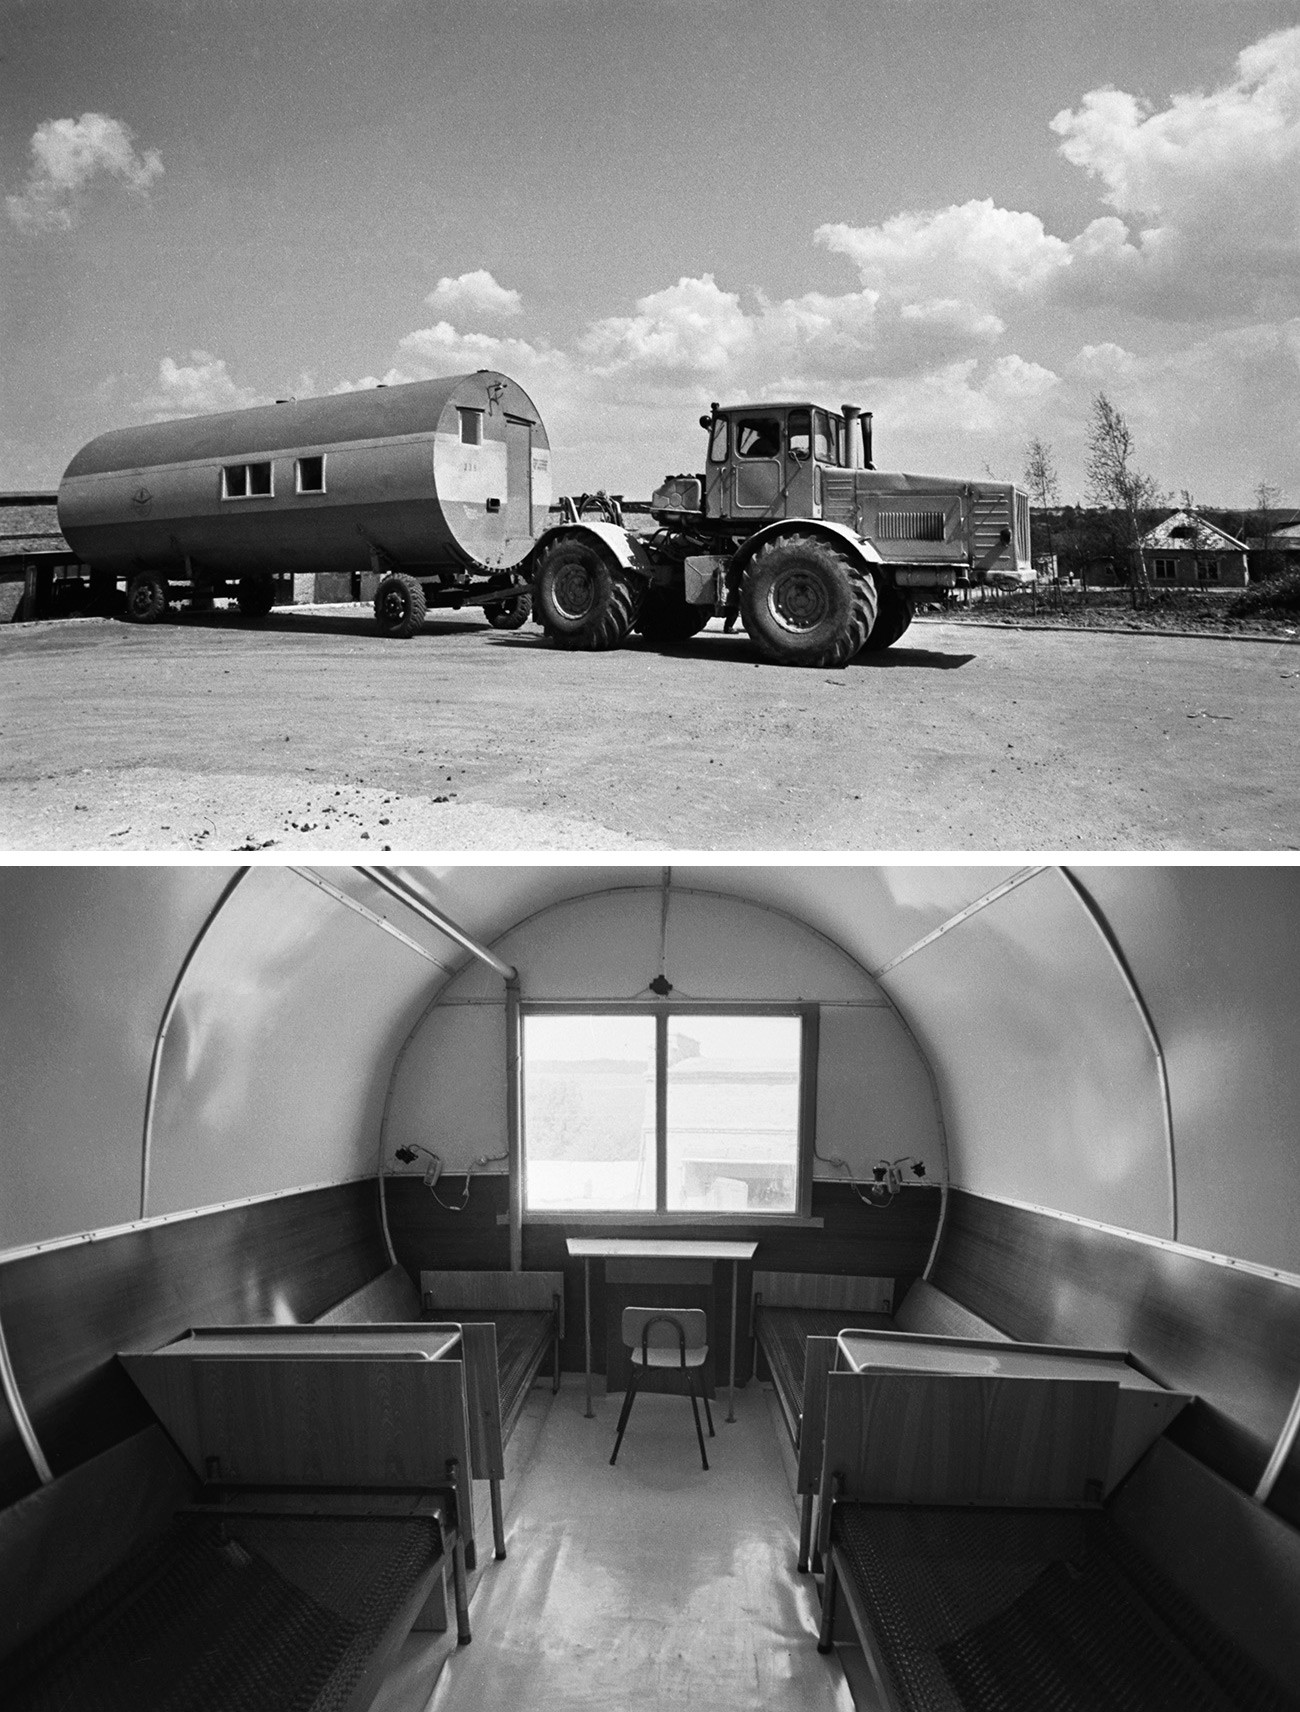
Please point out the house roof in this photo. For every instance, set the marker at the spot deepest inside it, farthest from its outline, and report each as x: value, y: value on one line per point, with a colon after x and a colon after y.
x: 1188, y: 532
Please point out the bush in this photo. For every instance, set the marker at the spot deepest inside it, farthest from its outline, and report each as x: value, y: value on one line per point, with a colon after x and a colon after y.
x: 1279, y: 593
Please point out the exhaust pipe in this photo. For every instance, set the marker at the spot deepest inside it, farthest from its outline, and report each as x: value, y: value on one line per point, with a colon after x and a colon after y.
x: 852, y: 436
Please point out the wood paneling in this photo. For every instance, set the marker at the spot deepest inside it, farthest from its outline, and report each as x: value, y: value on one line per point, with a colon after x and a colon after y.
x: 911, y: 1438
x: 1230, y: 1337
x: 818, y: 1290
x: 854, y: 1239
x: 68, y: 1311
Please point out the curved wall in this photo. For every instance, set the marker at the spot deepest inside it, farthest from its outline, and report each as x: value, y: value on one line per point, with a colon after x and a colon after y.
x: 874, y: 1095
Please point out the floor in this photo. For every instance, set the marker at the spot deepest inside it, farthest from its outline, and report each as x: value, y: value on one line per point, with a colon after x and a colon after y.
x: 651, y: 1583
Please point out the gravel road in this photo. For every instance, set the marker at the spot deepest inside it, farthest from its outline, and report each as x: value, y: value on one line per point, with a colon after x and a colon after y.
x: 309, y: 731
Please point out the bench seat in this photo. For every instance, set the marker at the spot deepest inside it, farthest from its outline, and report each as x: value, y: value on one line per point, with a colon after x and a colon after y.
x: 961, y: 1609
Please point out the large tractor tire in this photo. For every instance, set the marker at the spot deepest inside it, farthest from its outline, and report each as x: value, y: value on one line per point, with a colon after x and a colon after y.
x: 510, y: 614
x: 806, y: 604
x: 893, y: 615
x: 399, y: 605
x: 583, y: 598
x: 148, y: 597
x: 668, y: 618
x: 255, y: 595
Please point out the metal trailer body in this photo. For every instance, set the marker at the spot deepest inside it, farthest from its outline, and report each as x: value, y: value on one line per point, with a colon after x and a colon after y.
x: 444, y: 483
x: 791, y: 529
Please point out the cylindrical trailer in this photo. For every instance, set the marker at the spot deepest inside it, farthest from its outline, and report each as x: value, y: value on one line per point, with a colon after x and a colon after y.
x: 441, y: 487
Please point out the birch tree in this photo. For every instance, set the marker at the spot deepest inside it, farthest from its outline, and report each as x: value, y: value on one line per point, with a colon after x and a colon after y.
x: 1113, y: 477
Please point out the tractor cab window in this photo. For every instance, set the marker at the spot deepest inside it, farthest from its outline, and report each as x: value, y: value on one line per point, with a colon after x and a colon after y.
x: 718, y: 441
x: 825, y: 449
x: 759, y: 437
x: 798, y: 433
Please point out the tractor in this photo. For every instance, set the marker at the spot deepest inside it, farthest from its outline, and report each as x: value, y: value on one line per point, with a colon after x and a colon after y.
x: 792, y: 531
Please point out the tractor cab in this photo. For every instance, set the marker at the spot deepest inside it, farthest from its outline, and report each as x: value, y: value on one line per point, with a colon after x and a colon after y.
x: 764, y: 460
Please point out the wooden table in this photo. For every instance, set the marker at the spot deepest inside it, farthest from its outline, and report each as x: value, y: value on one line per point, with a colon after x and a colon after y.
x: 588, y: 1249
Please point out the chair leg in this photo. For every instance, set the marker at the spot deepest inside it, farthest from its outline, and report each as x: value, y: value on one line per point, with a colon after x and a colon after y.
x: 498, y: 1520
x: 625, y: 1412
x: 824, y: 1642
x: 805, y: 1531
x: 555, y: 1382
x: 695, y: 1410
x: 708, y: 1413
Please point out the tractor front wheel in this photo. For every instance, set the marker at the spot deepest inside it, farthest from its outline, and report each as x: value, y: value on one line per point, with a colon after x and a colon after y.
x: 893, y: 616
x: 399, y: 605
x: 668, y: 618
x: 806, y: 604
x: 255, y: 595
x: 508, y: 614
x: 147, y: 597
x: 583, y: 598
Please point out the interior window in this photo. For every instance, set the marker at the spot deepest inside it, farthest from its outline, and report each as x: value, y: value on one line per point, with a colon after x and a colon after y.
x: 718, y: 441
x: 471, y: 427
x: 759, y: 437
x: 798, y: 433
x: 727, y: 1137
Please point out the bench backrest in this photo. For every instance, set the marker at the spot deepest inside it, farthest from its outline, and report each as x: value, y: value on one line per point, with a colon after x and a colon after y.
x: 939, y: 1438
x: 927, y: 1309
x: 823, y: 1290
x: 391, y: 1296
x: 464, y: 1292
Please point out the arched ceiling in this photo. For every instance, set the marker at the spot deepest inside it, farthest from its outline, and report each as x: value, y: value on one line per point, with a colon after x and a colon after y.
x: 1116, y: 1043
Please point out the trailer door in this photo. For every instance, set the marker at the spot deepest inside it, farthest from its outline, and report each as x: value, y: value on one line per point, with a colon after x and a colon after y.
x: 519, y: 483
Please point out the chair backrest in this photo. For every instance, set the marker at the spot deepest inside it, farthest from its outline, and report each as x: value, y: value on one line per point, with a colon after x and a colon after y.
x: 694, y: 1323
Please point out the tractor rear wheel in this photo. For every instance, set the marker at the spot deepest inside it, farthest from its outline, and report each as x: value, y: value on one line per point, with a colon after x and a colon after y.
x: 399, y: 605
x: 583, y: 598
x: 893, y: 615
x: 509, y: 614
x: 668, y: 618
x: 147, y: 597
x: 806, y: 604
x: 255, y: 595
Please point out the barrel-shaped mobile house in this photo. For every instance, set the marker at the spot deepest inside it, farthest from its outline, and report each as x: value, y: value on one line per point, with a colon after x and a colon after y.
x: 441, y: 487
x: 329, y: 1192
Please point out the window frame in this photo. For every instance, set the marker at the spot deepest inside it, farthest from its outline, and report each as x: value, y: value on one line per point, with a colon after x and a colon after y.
x: 309, y: 458
x: 470, y: 415
x: 661, y: 1216
x: 247, y: 466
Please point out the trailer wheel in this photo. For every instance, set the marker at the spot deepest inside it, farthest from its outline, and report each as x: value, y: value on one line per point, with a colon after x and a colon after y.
x: 256, y: 596
x: 399, y: 605
x: 805, y: 604
x: 583, y: 598
x: 893, y: 615
x: 508, y: 614
x: 147, y: 597
x: 668, y: 618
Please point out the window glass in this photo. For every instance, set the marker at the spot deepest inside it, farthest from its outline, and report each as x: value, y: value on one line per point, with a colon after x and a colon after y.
x: 589, y: 1112
x: 311, y: 475
x: 759, y: 437
x: 235, y: 481
x: 823, y: 438
x: 471, y: 427
x: 799, y: 433
x: 732, y: 1140
x: 259, y: 479
x: 718, y: 441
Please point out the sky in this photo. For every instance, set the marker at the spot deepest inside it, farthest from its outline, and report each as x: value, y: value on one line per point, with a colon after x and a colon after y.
x: 967, y: 216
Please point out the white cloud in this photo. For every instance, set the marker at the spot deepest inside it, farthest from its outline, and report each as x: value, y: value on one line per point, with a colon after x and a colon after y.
x: 990, y: 253
x: 66, y: 155
x: 691, y: 326
x: 477, y: 294
x: 197, y: 388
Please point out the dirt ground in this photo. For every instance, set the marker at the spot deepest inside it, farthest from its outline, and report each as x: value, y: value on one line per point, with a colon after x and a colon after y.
x: 310, y: 731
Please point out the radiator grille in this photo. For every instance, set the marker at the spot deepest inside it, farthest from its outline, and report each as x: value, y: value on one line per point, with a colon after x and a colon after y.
x: 990, y: 519
x: 1022, y: 525
x: 909, y: 526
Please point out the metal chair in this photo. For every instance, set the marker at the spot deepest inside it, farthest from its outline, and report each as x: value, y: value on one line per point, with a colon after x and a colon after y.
x: 658, y: 1338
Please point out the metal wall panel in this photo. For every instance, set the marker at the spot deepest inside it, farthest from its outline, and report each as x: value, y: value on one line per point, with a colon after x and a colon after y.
x: 1216, y: 952
x: 277, y: 1062
x: 88, y: 958
x: 1049, y: 1083
x: 448, y: 1092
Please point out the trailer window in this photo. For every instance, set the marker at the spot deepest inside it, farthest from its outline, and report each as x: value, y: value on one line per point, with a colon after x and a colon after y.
x: 471, y: 427
x: 246, y: 481
x: 665, y: 1112
x: 718, y: 441
x: 798, y: 433
x: 311, y: 475
x: 759, y: 437
x: 824, y: 447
